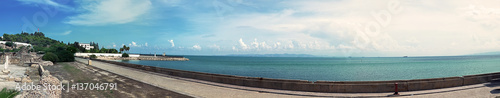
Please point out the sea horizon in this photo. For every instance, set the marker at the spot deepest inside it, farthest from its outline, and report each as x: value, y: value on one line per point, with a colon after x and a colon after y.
x: 335, y: 68
x: 310, y: 55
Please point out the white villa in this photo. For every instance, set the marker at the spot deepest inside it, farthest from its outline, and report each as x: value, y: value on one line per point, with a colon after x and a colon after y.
x: 86, y: 46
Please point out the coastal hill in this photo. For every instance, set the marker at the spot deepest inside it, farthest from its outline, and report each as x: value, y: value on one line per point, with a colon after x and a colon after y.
x: 57, y: 50
x: 488, y: 53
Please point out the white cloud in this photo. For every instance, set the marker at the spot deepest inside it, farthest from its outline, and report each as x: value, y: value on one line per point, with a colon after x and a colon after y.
x: 196, y: 47
x: 412, y: 40
x: 422, y: 26
x: 66, y: 33
x: 134, y: 44
x: 114, y: 45
x: 171, y: 43
x: 281, y: 46
x: 242, y: 44
x: 488, y: 17
x: 235, y: 49
x: 45, y: 2
x: 146, y: 44
x: 255, y: 44
x: 264, y: 46
x: 171, y: 2
x: 110, y: 12
x: 215, y: 47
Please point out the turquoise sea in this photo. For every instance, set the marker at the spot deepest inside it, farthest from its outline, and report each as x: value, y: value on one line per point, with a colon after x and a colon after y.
x: 336, y: 68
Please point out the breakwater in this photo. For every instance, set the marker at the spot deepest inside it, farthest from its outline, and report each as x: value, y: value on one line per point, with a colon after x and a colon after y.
x: 322, y: 86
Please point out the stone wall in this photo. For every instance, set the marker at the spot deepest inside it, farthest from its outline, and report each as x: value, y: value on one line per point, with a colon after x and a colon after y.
x: 323, y: 86
x: 145, y: 58
x: 12, y: 60
x: 47, y: 79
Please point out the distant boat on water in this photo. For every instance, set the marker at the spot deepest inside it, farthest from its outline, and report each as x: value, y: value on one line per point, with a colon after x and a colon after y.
x: 405, y: 56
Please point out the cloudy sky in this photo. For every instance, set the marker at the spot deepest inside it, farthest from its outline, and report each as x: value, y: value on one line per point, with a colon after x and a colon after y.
x: 220, y: 27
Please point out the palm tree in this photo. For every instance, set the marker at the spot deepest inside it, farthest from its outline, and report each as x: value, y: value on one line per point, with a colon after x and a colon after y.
x: 121, y: 49
x: 127, y: 49
x: 124, y: 48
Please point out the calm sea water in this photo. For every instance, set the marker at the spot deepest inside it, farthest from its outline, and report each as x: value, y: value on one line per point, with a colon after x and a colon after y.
x: 336, y: 69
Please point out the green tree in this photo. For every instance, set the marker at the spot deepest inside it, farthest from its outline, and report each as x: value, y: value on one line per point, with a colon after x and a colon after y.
x: 103, y: 50
x: 93, y: 56
x: 66, y: 56
x: 9, y: 43
x: 125, y: 55
x: 127, y: 49
x: 94, y: 50
x: 40, y: 34
x: 124, y: 48
x: 72, y: 49
x: 50, y: 57
x: 121, y: 49
x: 113, y: 51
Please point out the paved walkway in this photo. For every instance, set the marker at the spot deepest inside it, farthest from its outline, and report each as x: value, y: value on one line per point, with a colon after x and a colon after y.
x: 198, y: 88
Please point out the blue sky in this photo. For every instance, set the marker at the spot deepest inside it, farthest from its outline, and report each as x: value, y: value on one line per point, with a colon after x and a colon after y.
x: 219, y: 27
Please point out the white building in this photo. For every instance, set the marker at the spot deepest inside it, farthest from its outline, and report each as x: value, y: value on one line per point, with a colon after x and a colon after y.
x: 86, y: 46
x: 17, y: 43
x: 105, y: 54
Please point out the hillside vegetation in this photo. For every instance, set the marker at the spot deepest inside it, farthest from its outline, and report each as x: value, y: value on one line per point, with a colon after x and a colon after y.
x: 63, y: 52
x: 42, y: 44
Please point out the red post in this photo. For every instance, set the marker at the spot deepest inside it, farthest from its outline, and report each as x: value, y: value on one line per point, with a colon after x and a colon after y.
x: 396, y: 89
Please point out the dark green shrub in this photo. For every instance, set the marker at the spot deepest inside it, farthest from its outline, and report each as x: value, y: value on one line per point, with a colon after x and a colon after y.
x: 124, y: 55
x: 65, y: 56
x: 93, y: 56
x: 10, y: 44
x: 6, y: 93
x: 50, y: 57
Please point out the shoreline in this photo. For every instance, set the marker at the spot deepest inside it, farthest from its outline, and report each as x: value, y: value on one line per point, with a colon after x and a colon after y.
x: 203, y: 88
x: 322, y: 86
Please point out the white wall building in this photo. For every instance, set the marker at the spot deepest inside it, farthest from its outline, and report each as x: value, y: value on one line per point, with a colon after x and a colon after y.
x: 86, y: 46
x: 105, y: 54
x: 17, y: 43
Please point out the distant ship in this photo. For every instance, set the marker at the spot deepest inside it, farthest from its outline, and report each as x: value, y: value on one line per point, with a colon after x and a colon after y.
x: 405, y: 56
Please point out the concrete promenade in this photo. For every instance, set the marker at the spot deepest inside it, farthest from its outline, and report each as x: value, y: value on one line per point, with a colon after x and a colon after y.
x: 198, y: 88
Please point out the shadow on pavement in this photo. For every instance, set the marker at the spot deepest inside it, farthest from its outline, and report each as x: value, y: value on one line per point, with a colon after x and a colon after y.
x: 494, y: 83
x: 495, y: 91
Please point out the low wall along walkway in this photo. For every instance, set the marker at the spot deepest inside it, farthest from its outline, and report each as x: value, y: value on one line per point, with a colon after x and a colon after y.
x: 105, y: 54
x: 322, y: 86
